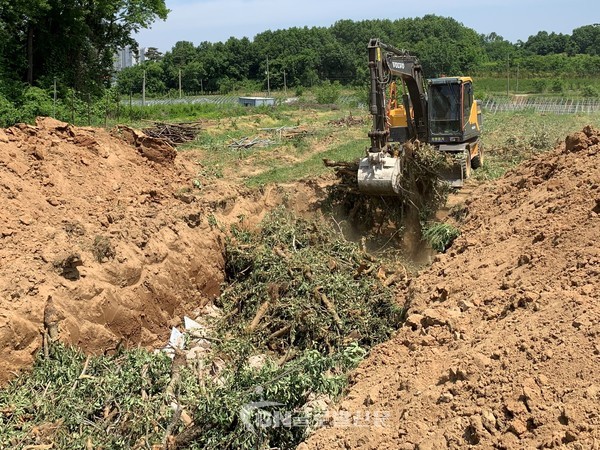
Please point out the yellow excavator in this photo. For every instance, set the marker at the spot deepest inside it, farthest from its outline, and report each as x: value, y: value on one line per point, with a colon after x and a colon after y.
x: 441, y: 112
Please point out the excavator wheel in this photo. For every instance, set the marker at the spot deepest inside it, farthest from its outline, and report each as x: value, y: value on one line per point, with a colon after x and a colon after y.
x: 466, y: 164
x: 477, y: 160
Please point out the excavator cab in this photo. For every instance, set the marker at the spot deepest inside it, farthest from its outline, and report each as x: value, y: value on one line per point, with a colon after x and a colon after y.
x: 454, y: 118
x: 444, y: 110
x: 451, y: 104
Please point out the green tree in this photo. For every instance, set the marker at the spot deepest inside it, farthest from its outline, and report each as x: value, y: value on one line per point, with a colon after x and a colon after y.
x: 130, y: 79
x: 193, y: 76
x: 496, y: 47
x: 544, y: 43
x: 152, y: 54
x: 72, y: 40
x: 587, y: 39
x: 183, y: 53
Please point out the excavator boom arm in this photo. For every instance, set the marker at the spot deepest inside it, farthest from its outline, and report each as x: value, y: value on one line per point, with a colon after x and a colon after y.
x: 385, y: 62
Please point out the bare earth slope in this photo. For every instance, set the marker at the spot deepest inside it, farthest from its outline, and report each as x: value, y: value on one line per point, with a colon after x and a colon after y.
x: 89, y: 220
x: 502, y: 344
x: 111, y: 228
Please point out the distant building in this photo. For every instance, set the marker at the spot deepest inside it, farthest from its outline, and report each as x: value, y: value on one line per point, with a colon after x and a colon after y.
x: 256, y: 101
x: 125, y: 57
x: 142, y: 54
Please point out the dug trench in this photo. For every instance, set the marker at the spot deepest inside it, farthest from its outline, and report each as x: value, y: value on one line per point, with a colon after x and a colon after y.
x: 106, y: 235
x: 107, y: 239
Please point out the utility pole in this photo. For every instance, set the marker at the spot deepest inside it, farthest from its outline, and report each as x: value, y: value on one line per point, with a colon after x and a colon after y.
x: 517, y: 79
x: 179, y: 83
x: 284, y: 83
x: 201, y: 87
x: 144, y: 90
x: 507, y: 75
x: 268, y: 79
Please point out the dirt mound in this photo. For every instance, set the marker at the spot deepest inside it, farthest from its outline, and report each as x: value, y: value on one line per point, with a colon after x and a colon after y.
x: 109, y: 234
x: 501, y: 346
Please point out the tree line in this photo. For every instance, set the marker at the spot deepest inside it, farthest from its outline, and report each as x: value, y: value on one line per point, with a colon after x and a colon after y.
x: 307, y: 56
x: 75, y: 42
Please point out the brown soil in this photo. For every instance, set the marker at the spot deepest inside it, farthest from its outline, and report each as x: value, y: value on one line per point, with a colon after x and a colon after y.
x: 501, y: 347
x: 106, y: 234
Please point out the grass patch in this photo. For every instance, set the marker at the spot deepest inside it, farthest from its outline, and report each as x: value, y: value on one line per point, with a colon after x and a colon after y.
x: 440, y: 235
x: 212, y: 145
x: 511, y: 137
x: 313, y: 166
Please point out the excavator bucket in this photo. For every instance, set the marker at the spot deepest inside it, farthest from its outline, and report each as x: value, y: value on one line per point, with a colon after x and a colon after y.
x: 379, y: 174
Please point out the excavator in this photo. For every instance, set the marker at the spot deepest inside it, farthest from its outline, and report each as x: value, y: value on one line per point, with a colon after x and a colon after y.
x: 441, y: 112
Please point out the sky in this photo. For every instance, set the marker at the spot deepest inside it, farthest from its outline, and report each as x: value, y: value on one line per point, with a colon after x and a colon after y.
x: 217, y: 20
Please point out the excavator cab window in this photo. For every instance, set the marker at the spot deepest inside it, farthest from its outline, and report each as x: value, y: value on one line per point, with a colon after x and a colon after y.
x: 467, y: 102
x: 445, y: 115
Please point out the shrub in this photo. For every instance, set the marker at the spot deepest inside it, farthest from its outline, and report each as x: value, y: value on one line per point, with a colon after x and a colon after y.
x: 9, y: 115
x: 328, y: 92
x: 557, y: 86
x: 36, y: 102
x: 589, y: 91
x: 539, y: 86
x: 440, y: 235
x: 540, y: 139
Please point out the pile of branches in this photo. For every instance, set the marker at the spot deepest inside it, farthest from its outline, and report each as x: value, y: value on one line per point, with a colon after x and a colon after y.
x: 348, y: 121
x: 299, y: 285
x: 302, y: 308
x: 174, y: 133
x: 421, y: 182
x: 130, y: 401
x: 247, y: 142
x: 280, y: 133
x: 422, y: 191
x: 288, y: 132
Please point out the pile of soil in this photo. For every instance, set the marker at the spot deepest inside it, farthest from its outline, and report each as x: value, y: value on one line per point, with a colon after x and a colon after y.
x: 501, y: 345
x: 108, y: 236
